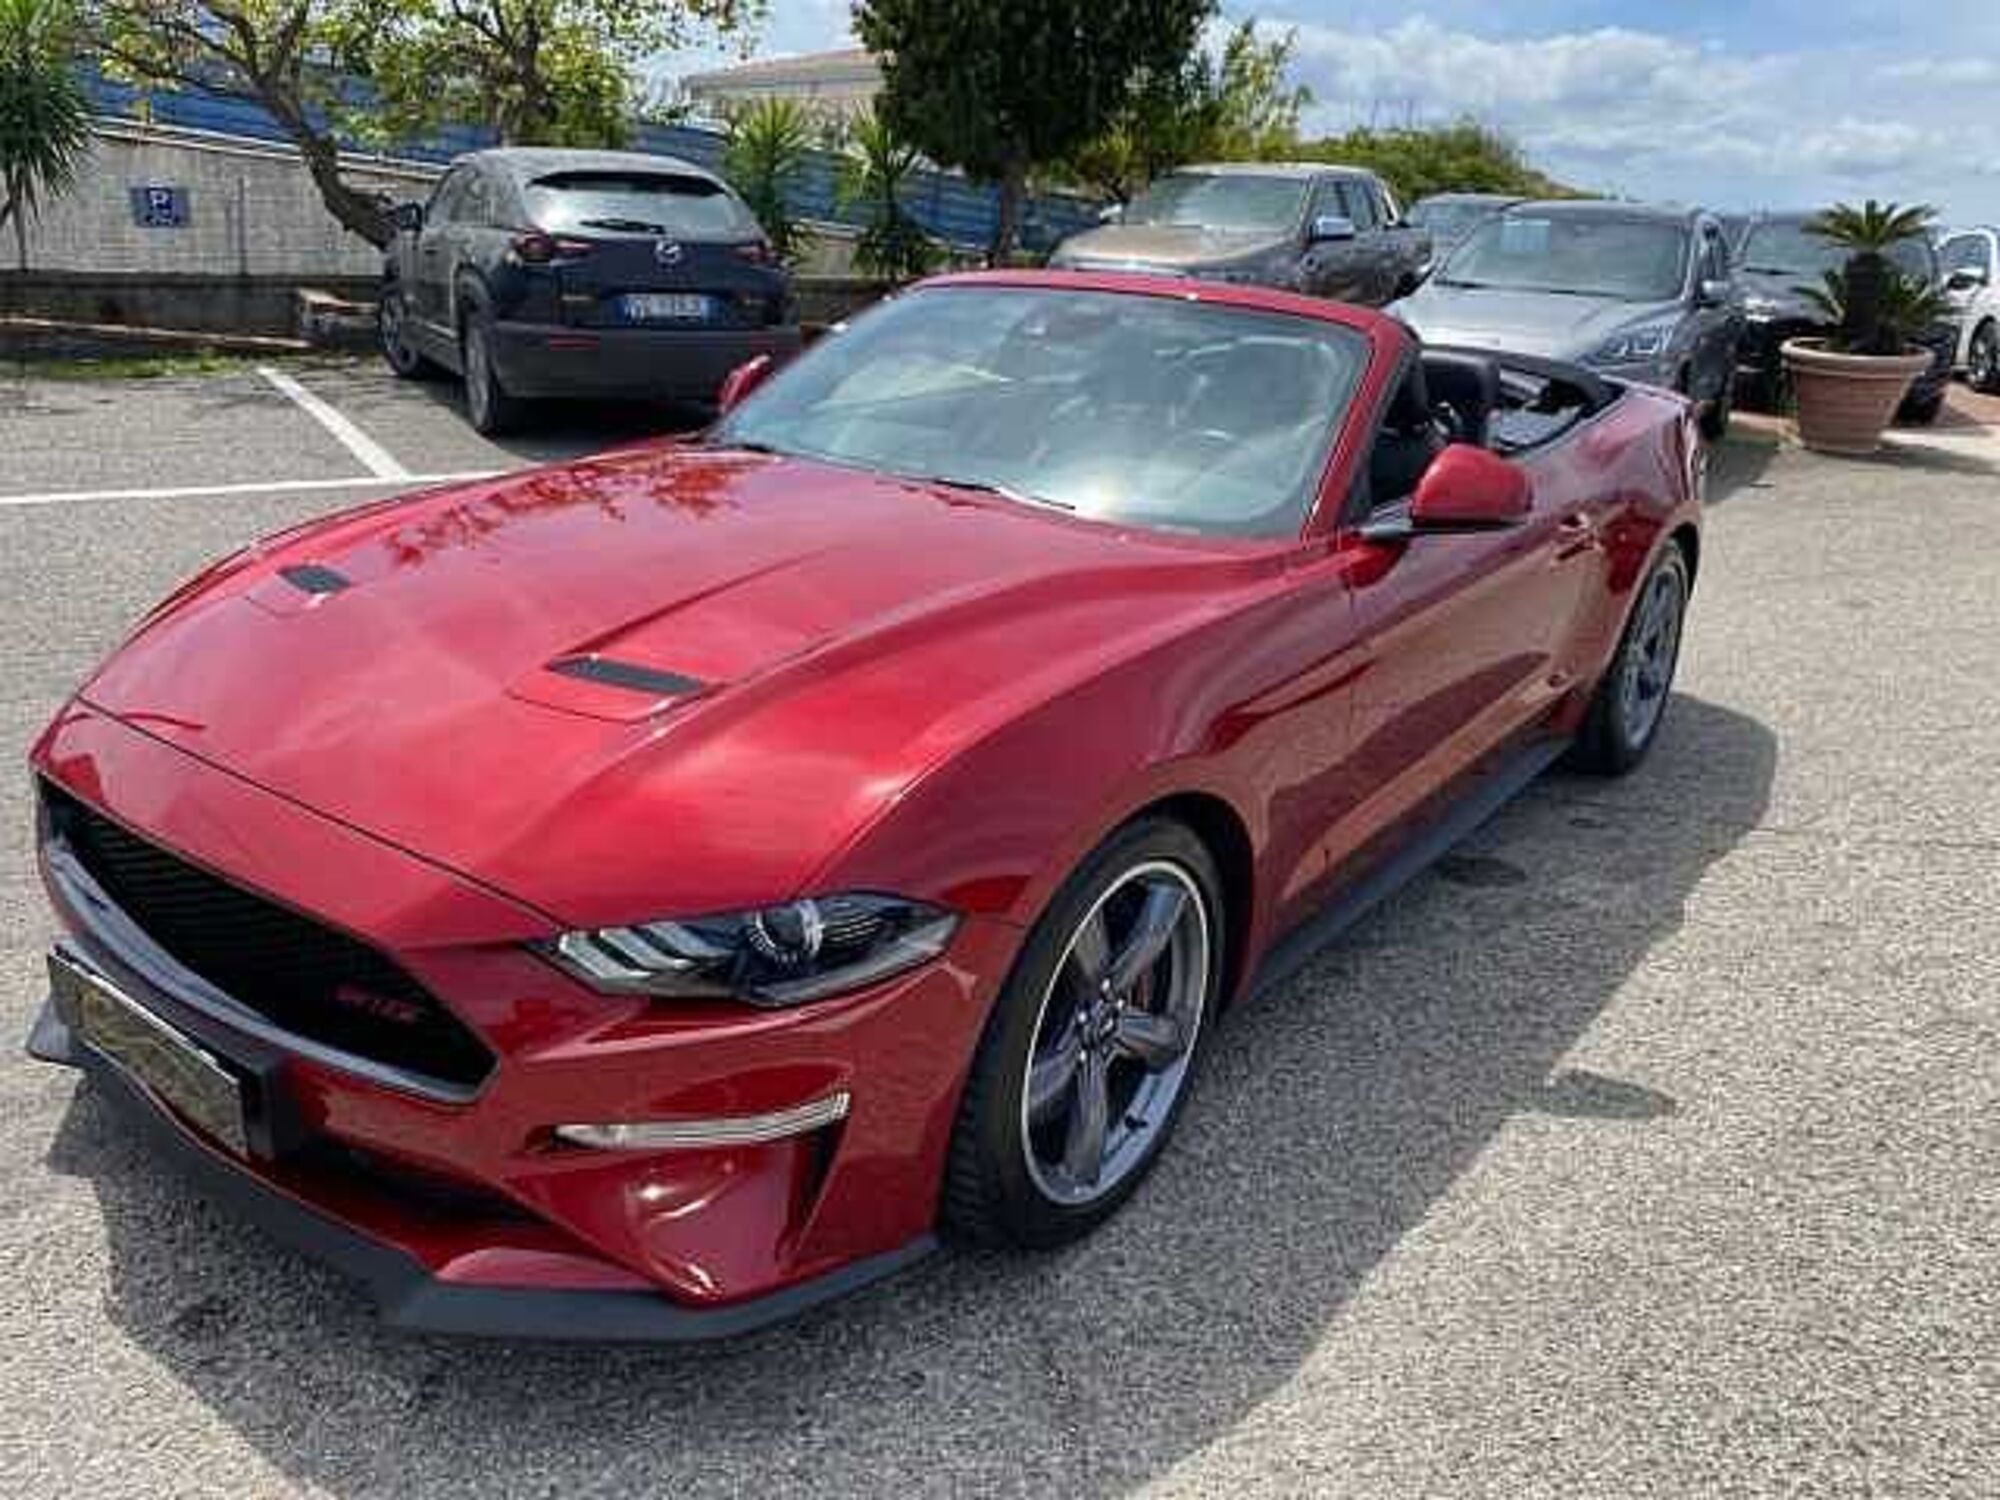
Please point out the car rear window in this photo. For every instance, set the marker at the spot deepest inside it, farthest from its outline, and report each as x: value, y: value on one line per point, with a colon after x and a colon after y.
x: 638, y: 203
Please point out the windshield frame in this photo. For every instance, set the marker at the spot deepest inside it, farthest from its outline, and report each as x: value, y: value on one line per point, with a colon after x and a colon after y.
x: 1294, y: 516
x: 1496, y: 224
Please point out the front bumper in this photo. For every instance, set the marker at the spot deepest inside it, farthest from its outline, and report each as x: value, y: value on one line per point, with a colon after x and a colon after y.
x: 464, y: 1215
x: 688, y: 364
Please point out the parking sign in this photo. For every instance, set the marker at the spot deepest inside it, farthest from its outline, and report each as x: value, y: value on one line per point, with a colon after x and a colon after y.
x: 155, y: 206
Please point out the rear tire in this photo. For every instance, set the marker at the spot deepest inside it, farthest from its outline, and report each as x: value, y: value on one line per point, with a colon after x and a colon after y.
x: 1055, y: 1038
x: 1630, y: 703
x: 487, y: 405
x: 1921, y: 411
x: 1982, y: 360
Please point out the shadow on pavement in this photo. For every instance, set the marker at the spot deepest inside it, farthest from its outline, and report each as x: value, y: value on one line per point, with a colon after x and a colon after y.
x: 1334, y: 1115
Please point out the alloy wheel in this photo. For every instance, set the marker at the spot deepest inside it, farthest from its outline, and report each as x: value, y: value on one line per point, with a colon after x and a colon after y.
x: 1983, y: 360
x: 1115, y: 1034
x: 1647, y: 671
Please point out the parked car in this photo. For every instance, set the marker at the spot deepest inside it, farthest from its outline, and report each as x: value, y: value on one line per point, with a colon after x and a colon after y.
x: 541, y: 273
x: 1329, y: 231
x: 1781, y: 257
x: 697, y: 877
x: 1971, y: 266
x: 1449, y: 217
x: 1642, y: 294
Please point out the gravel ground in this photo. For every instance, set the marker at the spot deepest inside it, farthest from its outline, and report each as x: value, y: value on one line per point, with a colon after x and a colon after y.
x: 1646, y: 1146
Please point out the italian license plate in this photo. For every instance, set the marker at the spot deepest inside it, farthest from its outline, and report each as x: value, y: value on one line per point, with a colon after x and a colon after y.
x: 157, y: 1055
x: 667, y: 307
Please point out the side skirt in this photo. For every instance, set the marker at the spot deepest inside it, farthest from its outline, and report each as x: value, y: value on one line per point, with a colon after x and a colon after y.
x: 1492, y: 790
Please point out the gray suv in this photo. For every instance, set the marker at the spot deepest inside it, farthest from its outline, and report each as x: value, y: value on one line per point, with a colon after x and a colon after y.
x: 1328, y: 231
x: 1642, y: 294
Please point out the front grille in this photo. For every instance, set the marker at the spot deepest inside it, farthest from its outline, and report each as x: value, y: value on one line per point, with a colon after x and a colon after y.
x: 301, y: 976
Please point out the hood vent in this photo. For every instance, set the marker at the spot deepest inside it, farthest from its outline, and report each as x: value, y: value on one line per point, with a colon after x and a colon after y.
x: 631, y: 676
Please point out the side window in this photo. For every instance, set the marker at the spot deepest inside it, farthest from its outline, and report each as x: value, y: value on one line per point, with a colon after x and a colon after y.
x: 1964, y: 252
x: 1360, y: 205
x: 1714, y: 257
x: 447, y: 204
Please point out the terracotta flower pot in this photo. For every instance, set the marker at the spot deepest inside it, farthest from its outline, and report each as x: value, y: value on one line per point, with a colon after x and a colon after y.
x: 1846, y: 400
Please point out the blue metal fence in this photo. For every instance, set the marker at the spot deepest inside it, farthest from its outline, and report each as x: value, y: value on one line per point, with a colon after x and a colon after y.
x: 947, y: 205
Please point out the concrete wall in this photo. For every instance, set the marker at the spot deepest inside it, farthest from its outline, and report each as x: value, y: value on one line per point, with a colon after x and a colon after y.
x: 252, y: 210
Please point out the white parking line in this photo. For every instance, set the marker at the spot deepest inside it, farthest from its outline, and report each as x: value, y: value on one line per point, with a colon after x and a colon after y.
x: 378, y: 460
x: 261, y: 487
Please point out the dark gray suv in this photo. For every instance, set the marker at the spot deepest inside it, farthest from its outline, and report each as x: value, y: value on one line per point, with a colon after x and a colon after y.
x: 1330, y: 231
x: 541, y: 273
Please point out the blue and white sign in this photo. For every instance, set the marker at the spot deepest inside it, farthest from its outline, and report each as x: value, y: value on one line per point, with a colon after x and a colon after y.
x: 155, y: 206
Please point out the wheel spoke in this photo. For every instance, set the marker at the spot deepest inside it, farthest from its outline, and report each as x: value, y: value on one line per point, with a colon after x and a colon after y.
x: 1091, y: 951
x: 1051, y: 1076
x: 1089, y: 1120
x: 1153, y: 1040
x: 1158, y: 917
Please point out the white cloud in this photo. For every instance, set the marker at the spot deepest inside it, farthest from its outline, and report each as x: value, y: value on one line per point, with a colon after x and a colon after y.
x: 1952, y: 72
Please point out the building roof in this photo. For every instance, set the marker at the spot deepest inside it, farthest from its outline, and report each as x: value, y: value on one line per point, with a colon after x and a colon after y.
x: 849, y: 64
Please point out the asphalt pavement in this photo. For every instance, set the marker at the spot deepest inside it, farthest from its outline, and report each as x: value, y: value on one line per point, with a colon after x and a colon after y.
x: 1647, y: 1146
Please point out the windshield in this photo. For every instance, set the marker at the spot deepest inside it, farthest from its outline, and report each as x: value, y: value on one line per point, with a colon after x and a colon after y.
x: 1785, y: 248
x: 638, y: 203
x: 1632, y: 260
x: 1199, y: 200
x: 1450, y: 220
x: 1151, y: 410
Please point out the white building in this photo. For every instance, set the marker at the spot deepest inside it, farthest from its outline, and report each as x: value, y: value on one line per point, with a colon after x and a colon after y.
x: 834, y: 84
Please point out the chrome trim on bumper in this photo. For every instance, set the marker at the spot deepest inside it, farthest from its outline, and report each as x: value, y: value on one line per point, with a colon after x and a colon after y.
x: 700, y: 1135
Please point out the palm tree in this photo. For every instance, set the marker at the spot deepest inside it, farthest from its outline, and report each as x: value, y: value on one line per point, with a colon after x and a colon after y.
x: 767, y: 145
x: 1865, y: 293
x: 873, y: 173
x: 44, y: 117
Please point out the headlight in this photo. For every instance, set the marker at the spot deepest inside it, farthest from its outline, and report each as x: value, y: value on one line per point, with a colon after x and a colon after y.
x: 1634, y: 343
x: 774, y: 956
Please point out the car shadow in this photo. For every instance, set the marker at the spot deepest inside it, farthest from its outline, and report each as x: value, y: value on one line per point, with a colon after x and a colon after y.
x: 1740, y: 463
x: 1334, y: 1115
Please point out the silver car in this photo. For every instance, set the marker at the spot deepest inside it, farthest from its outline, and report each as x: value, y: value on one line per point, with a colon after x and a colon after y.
x: 1641, y: 294
x: 1330, y: 231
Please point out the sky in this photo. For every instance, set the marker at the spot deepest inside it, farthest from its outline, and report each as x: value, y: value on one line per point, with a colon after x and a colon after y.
x: 1755, y: 103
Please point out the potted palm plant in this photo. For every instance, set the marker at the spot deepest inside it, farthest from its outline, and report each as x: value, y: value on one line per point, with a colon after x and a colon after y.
x: 1849, y: 384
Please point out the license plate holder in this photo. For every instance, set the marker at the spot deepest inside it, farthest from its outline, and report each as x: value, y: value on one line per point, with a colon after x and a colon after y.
x: 666, y: 307
x: 155, y: 1054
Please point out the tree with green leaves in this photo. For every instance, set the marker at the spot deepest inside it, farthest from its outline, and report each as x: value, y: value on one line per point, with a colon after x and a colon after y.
x: 1236, y: 105
x: 379, y: 71
x: 875, y: 168
x: 767, y: 145
x: 1001, y: 88
x: 1875, y: 308
x: 44, y: 118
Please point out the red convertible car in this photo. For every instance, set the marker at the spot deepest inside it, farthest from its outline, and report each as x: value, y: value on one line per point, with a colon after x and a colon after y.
x: 645, y: 897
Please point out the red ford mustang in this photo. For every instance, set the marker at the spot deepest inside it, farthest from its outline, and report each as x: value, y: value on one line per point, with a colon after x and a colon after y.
x: 646, y: 897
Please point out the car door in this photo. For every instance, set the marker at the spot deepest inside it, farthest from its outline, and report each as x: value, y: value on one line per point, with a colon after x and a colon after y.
x: 434, y: 257
x: 1466, y: 641
x: 1331, y: 267
x: 1718, y: 321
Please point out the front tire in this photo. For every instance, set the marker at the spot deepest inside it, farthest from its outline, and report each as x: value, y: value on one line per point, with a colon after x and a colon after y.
x: 392, y: 326
x: 1982, y: 360
x: 1715, y: 415
x: 1631, y: 701
x: 1092, y: 1047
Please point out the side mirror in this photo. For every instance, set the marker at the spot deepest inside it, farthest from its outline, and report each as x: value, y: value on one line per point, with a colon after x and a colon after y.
x: 1111, y: 213
x: 1332, y: 227
x: 1714, y: 293
x: 741, y: 381
x: 1465, y: 489
x: 1965, y: 279
x: 408, y: 217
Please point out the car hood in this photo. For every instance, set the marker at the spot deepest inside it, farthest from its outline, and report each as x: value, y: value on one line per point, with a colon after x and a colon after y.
x: 1552, y: 324
x: 1164, y: 246
x: 667, y: 680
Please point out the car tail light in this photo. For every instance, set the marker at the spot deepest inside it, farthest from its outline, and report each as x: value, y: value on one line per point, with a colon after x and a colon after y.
x: 756, y: 252
x: 534, y: 248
